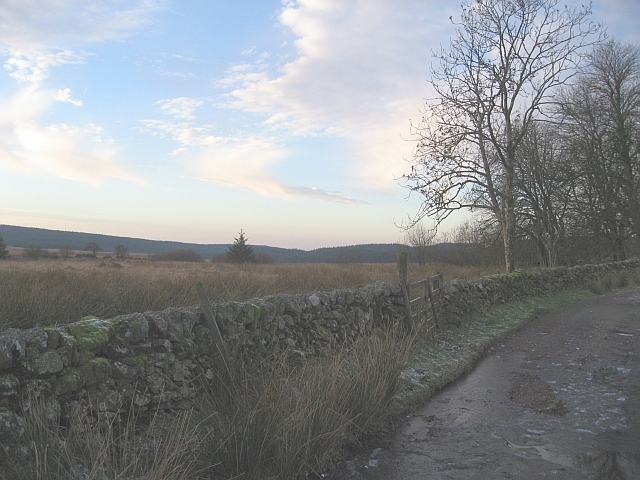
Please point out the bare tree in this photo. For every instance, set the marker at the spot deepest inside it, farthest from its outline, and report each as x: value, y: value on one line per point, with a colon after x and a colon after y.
x: 419, y: 238
x: 544, y: 182
x: 65, y: 250
x: 4, y: 253
x: 499, y: 72
x: 94, y: 248
x: 601, y: 122
x: 121, y: 251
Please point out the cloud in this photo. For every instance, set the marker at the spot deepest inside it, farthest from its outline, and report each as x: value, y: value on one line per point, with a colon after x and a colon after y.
x: 35, y: 36
x: 64, y: 95
x: 360, y: 74
x: 235, y: 162
x: 34, y: 66
x: 181, y: 107
x: 27, y: 25
x: 244, y: 163
x: 74, y: 153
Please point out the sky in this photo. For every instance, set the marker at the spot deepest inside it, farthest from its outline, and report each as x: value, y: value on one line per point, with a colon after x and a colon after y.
x: 190, y: 120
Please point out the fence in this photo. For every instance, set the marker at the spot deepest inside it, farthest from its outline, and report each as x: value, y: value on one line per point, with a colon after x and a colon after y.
x: 422, y: 299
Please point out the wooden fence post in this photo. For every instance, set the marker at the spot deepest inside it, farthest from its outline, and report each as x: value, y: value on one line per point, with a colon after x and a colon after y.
x: 209, y: 315
x: 401, y: 261
x: 431, y: 300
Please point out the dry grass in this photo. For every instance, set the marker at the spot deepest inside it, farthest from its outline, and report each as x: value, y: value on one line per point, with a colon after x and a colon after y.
x: 58, y: 291
x: 284, y: 421
x: 88, y: 450
x: 292, y: 422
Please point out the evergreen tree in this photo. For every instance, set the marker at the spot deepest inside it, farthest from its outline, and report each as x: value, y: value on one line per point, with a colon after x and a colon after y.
x: 240, y: 252
x: 4, y: 253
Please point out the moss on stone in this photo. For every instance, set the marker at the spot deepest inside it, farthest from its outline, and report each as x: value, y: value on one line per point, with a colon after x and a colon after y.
x: 140, y: 362
x: 68, y: 383
x: 96, y: 370
x: 53, y: 337
x: 91, y: 333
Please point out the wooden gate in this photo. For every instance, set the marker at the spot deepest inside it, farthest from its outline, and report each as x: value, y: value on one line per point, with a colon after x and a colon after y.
x: 422, y: 299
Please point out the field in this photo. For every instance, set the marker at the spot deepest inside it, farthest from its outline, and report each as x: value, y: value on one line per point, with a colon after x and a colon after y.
x: 238, y: 427
x: 58, y: 291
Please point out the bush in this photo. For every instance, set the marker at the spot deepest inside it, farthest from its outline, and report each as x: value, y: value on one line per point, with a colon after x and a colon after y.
x: 33, y: 252
x: 66, y: 250
x: 4, y: 253
x: 180, y: 255
x: 121, y: 251
x: 263, y: 258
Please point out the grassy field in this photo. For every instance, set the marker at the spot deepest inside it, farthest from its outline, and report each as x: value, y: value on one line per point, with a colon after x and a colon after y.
x: 287, y: 421
x: 58, y: 291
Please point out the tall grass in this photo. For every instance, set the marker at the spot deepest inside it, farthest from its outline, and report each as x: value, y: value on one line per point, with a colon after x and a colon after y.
x: 48, y: 292
x: 289, y: 419
x: 293, y: 420
x: 617, y: 280
x: 87, y: 450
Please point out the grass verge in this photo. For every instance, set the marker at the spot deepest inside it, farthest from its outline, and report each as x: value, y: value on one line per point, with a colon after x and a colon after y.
x: 434, y: 363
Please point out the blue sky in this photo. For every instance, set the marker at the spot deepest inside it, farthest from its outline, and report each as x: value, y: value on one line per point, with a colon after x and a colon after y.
x: 190, y: 120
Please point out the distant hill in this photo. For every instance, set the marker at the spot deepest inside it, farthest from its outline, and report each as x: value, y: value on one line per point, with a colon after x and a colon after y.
x: 16, y: 236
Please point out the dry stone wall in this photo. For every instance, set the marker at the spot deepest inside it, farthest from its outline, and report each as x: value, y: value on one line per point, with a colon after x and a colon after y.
x: 159, y: 359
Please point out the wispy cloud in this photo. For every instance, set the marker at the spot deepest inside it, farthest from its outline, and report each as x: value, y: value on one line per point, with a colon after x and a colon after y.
x: 27, y: 25
x: 244, y: 163
x: 36, y: 36
x: 182, y: 107
x: 33, y: 66
x: 182, y: 128
x: 359, y: 74
x: 233, y: 161
x: 74, y: 153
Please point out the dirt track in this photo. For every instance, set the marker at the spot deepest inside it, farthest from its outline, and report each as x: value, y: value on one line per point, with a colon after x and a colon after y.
x: 559, y: 398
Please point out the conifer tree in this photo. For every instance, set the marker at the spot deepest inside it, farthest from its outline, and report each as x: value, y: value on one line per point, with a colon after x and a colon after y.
x: 240, y: 252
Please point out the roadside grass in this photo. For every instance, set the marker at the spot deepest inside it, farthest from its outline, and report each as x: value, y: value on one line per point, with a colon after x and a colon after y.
x: 615, y: 281
x: 110, y: 450
x: 293, y: 420
x: 438, y: 361
x: 52, y: 292
x: 287, y: 420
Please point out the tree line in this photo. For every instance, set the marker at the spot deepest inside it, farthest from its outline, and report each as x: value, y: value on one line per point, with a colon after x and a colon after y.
x: 534, y: 128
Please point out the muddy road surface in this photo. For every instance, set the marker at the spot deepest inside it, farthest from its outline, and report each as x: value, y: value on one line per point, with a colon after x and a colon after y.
x: 559, y: 398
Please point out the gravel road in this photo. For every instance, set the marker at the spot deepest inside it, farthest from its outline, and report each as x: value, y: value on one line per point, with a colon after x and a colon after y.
x: 559, y: 398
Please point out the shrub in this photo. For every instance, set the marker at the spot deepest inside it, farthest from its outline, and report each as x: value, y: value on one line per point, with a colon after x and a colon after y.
x: 179, y: 255
x: 4, y: 253
x: 121, y: 251
x: 263, y: 258
x: 34, y: 252
x: 66, y: 250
